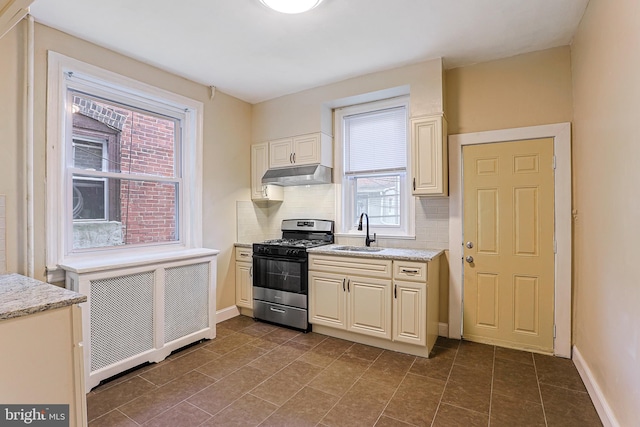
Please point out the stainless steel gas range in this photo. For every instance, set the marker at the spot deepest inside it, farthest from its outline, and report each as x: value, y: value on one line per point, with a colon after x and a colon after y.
x: 280, y: 267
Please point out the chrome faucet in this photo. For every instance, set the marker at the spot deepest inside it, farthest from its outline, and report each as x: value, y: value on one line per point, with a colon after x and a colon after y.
x: 367, y: 240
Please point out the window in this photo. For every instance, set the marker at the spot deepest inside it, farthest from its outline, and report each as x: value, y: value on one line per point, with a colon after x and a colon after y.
x: 372, y: 142
x: 90, y: 195
x: 122, y: 163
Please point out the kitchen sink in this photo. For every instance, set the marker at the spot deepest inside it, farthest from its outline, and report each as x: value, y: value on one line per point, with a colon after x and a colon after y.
x: 357, y: 249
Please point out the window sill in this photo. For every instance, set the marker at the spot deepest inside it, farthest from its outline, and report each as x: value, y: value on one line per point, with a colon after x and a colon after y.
x: 93, y: 263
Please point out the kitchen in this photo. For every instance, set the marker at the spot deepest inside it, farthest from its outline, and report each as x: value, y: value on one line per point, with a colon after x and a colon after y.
x: 589, y: 83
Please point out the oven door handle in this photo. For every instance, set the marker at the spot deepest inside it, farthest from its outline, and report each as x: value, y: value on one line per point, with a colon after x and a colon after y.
x: 278, y: 258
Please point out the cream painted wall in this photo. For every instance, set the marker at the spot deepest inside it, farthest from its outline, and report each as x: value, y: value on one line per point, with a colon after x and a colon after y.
x: 12, y: 92
x: 524, y: 90
x: 605, y: 58
x: 310, y: 111
x: 226, y: 144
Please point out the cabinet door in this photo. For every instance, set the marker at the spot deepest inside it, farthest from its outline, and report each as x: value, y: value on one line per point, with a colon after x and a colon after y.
x: 281, y: 153
x: 259, y: 165
x: 429, y: 156
x: 369, y: 306
x: 306, y: 149
x: 327, y: 299
x: 244, y: 284
x: 410, y: 312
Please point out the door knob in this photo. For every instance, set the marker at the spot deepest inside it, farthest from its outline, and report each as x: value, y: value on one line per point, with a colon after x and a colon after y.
x: 469, y: 245
x: 469, y: 259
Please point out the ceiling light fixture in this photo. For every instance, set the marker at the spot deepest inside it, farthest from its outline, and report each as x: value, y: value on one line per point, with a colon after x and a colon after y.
x: 291, y: 6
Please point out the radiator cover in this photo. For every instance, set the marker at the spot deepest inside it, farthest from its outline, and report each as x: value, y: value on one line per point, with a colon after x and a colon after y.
x: 141, y: 313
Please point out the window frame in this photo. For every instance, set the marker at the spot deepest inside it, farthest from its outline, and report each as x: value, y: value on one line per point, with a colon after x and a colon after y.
x: 65, y: 73
x: 345, y: 191
x: 75, y: 138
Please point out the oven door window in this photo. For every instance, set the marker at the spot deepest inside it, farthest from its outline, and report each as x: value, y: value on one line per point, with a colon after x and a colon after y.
x: 280, y: 274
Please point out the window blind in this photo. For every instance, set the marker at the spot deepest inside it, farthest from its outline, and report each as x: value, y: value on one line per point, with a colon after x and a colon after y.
x: 376, y: 141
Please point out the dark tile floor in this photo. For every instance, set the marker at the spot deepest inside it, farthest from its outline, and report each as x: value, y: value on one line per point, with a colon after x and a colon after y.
x: 257, y: 374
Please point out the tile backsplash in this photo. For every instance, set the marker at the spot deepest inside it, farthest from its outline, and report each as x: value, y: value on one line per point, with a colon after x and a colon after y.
x: 258, y: 222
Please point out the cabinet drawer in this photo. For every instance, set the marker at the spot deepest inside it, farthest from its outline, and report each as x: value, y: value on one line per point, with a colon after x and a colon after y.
x: 352, y: 265
x: 244, y: 254
x: 409, y: 270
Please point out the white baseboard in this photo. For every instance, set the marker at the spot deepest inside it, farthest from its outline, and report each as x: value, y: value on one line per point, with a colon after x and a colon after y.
x: 227, y: 313
x: 443, y: 329
x: 599, y: 401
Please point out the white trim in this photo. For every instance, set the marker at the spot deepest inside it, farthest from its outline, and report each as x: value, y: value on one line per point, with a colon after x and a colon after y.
x: 605, y: 412
x: 227, y: 313
x: 443, y: 329
x: 12, y: 13
x: 404, y: 232
x: 29, y: 143
x: 100, y: 80
x: 561, y: 134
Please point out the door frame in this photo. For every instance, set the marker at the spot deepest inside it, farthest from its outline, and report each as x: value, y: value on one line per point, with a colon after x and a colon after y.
x: 561, y: 134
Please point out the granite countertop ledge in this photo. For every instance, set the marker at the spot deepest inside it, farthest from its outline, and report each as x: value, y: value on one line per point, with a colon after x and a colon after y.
x: 243, y: 245
x: 21, y: 296
x: 386, y: 253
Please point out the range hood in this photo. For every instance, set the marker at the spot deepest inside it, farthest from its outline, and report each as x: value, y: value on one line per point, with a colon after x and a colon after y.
x: 298, y: 175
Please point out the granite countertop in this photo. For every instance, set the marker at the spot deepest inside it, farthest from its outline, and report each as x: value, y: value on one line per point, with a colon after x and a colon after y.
x: 21, y: 296
x: 244, y: 245
x: 384, y: 253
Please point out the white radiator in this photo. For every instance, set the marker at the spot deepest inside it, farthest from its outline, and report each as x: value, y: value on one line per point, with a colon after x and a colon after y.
x: 141, y: 313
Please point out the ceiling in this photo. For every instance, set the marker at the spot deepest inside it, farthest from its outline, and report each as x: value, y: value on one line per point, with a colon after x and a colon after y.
x: 255, y: 54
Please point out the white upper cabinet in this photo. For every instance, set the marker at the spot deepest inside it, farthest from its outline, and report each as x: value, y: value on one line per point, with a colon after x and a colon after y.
x: 259, y: 165
x: 310, y: 149
x: 429, y: 156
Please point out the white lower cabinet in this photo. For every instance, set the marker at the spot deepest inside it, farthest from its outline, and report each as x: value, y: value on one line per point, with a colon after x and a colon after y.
x: 410, y: 312
x: 379, y: 302
x: 352, y: 303
x: 369, y: 302
x: 244, y: 278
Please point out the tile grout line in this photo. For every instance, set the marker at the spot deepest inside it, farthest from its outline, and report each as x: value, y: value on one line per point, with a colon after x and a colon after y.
x: 396, y: 391
x: 306, y: 384
x: 270, y: 376
x: 535, y: 367
x: 349, y: 389
x: 247, y: 364
x: 453, y: 362
x: 493, y: 373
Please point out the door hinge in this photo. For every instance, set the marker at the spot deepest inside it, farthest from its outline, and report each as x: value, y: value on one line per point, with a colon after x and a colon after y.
x: 555, y: 246
x: 554, y: 331
x: 554, y: 162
